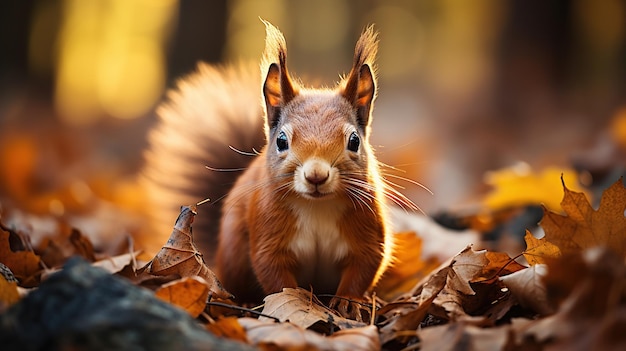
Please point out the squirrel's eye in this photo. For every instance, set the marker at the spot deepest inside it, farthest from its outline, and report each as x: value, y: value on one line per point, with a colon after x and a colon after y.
x: 354, y: 142
x: 281, y: 142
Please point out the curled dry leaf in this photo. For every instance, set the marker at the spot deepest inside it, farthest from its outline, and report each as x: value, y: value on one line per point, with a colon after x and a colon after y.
x: 289, y: 336
x: 188, y: 293
x: 181, y: 256
x: 299, y: 307
x: 412, y: 314
x: 467, y: 266
x: 438, y: 289
x: 448, y: 294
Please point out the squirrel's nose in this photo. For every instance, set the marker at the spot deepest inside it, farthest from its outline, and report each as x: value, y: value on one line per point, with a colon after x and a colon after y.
x: 316, y: 177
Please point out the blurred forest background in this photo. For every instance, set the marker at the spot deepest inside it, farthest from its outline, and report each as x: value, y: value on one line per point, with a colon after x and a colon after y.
x: 466, y: 87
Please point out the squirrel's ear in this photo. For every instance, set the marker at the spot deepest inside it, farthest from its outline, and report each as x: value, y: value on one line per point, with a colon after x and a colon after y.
x: 278, y: 89
x: 360, y: 86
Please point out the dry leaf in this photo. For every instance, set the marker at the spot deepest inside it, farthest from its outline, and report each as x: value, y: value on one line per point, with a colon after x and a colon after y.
x: 459, y: 301
x: 518, y: 186
x: 538, y: 250
x: 460, y: 336
x: 82, y: 245
x: 181, y: 256
x: 300, y: 308
x: 582, y: 227
x: 112, y: 264
x: 23, y: 264
x: 466, y: 266
x: 289, y: 336
x: 443, y: 293
x: 115, y: 264
x: 188, y: 293
x: 500, y: 264
x: 593, y: 315
x: 412, y: 314
x: 528, y: 288
x: 438, y: 243
x: 8, y: 293
x: 228, y: 327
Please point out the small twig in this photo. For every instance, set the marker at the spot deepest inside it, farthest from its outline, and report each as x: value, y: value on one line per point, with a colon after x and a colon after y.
x: 242, y: 309
x: 373, y: 313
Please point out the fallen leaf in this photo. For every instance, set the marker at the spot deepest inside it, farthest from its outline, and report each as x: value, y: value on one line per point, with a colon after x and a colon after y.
x: 228, y: 327
x: 23, y: 264
x: 82, y: 245
x: 538, y: 250
x: 115, y: 264
x: 300, y: 308
x: 288, y: 336
x: 438, y: 243
x: 188, y: 293
x: 8, y: 289
x: 460, y: 336
x: 582, y: 227
x: 528, y: 288
x: 412, y: 313
x: 500, y: 264
x: 459, y: 301
x: 443, y: 294
x: 519, y: 186
x: 466, y: 266
x: 181, y: 256
x: 593, y: 316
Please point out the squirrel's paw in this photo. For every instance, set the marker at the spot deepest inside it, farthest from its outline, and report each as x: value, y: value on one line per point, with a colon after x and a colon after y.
x: 350, y: 308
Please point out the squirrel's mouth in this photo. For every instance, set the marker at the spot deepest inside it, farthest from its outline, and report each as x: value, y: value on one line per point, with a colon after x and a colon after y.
x: 316, y: 194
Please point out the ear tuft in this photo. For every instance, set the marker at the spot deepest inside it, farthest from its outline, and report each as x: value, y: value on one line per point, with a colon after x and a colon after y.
x: 278, y: 88
x: 360, y: 86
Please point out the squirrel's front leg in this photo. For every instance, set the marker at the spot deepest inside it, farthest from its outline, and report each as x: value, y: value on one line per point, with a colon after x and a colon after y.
x: 358, y: 275
x: 275, y: 270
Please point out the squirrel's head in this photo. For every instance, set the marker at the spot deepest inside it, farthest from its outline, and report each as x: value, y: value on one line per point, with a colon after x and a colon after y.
x: 318, y: 139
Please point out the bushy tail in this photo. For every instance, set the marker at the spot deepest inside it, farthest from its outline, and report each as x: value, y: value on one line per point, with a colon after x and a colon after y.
x: 208, y: 114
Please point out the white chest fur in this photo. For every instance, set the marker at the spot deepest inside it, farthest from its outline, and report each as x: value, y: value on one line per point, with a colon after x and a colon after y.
x: 318, y: 244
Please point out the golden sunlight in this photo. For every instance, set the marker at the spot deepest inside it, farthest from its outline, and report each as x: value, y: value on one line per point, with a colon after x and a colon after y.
x: 111, y: 58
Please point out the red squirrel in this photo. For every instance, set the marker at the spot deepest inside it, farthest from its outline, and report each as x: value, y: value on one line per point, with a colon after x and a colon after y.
x: 310, y: 209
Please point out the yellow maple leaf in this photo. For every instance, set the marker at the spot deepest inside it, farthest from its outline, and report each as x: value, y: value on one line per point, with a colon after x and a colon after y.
x: 519, y: 186
x: 537, y: 250
x: 582, y: 227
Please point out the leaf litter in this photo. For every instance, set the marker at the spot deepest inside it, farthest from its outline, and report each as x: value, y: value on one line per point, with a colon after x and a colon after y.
x: 565, y: 291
